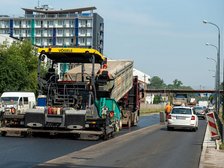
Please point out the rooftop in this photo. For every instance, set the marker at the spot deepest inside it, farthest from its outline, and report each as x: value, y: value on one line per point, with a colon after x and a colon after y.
x: 46, y: 10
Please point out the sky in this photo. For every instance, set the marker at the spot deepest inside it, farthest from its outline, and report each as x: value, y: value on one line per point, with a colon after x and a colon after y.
x: 164, y: 38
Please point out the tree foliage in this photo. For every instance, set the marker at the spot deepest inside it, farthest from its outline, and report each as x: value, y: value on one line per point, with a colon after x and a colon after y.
x: 157, y: 83
x: 18, y: 67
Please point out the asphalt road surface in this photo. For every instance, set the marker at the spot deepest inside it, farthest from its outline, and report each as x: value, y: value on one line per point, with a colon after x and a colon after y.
x: 150, y: 147
x: 27, y: 152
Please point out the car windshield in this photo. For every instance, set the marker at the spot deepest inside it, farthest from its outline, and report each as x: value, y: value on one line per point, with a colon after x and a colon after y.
x: 198, y: 109
x: 181, y: 96
x: 181, y: 111
x: 9, y: 100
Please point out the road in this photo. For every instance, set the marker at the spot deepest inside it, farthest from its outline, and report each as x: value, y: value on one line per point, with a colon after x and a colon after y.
x: 26, y: 152
x: 149, y: 147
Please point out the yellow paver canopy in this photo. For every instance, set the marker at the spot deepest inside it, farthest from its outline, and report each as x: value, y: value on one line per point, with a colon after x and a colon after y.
x: 72, y: 55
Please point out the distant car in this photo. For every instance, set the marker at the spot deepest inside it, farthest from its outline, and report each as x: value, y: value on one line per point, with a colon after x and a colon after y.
x: 211, y: 108
x: 182, y: 117
x: 200, y: 111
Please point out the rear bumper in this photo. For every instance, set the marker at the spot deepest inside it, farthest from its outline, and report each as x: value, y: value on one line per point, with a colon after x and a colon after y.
x: 175, y: 124
x: 181, y: 126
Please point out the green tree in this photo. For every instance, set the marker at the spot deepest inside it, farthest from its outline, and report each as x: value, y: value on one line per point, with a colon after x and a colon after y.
x: 177, y: 84
x: 156, y: 83
x: 157, y: 99
x: 18, y: 67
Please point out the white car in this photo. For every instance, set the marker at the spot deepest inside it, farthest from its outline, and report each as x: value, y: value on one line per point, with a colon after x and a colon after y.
x: 182, y: 117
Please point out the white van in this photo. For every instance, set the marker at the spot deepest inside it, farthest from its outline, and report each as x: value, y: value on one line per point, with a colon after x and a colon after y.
x: 15, y: 104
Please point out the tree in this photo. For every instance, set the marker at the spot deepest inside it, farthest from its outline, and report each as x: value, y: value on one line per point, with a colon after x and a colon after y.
x: 177, y: 84
x: 18, y: 67
x: 157, y: 99
x: 156, y: 83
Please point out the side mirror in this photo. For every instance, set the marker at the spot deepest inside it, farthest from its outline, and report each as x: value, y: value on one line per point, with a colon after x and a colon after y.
x: 42, y: 57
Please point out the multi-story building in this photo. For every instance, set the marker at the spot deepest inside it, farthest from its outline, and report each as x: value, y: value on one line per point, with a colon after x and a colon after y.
x: 45, y: 27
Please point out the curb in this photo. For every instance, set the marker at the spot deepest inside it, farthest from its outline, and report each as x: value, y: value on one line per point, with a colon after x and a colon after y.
x: 207, y: 143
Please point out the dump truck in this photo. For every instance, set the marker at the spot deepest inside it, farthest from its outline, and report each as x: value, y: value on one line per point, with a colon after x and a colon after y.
x: 180, y: 99
x: 123, y: 87
x: 81, y: 102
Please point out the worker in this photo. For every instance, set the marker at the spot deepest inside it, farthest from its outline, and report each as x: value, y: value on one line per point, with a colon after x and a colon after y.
x: 102, y: 69
x: 168, y: 109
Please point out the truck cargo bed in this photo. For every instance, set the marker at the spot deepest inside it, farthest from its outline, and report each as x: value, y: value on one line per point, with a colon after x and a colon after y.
x: 121, y: 72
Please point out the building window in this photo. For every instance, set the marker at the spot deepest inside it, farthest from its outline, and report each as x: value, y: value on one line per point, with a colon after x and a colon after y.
x: 28, y: 23
x: 38, y: 23
x: 51, y: 23
x: 16, y: 32
x: 60, y: 22
x: 71, y: 23
x: 59, y: 41
x: 38, y: 32
x: 16, y: 23
x: 60, y: 32
x: 89, y: 23
x: 38, y: 41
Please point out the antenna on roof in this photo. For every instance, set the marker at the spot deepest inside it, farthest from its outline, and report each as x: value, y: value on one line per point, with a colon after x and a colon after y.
x: 38, y: 3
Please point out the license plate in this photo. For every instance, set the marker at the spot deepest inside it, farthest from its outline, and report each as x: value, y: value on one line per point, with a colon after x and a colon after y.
x: 180, y: 117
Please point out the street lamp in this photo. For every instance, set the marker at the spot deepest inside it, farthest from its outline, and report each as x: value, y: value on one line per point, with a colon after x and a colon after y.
x: 218, y: 62
x: 216, y: 80
x: 216, y: 93
x: 211, y: 59
x: 208, y: 44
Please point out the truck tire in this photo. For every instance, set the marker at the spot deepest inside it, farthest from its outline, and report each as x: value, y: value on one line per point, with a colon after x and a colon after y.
x: 3, y: 133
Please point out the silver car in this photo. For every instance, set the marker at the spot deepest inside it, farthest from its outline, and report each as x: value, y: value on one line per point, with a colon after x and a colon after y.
x: 182, y: 117
x: 200, y: 111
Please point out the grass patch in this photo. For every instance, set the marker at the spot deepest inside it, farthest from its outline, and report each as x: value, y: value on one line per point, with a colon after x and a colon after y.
x: 221, y: 146
x: 149, y: 110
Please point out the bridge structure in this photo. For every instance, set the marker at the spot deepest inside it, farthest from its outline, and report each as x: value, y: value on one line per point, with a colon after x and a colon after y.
x: 180, y: 91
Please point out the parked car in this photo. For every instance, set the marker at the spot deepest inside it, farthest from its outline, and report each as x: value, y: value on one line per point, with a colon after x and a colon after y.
x: 182, y: 117
x: 200, y: 111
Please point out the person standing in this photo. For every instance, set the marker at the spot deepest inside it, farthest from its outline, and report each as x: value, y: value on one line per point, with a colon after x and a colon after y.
x: 168, y: 109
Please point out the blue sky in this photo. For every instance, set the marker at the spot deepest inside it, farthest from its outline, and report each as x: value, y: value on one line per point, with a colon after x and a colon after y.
x: 164, y: 38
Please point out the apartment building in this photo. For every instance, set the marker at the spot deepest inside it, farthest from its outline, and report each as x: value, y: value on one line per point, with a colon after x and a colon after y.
x: 45, y: 27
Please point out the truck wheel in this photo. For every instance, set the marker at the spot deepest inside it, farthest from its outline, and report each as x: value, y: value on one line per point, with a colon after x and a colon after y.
x: 3, y: 133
